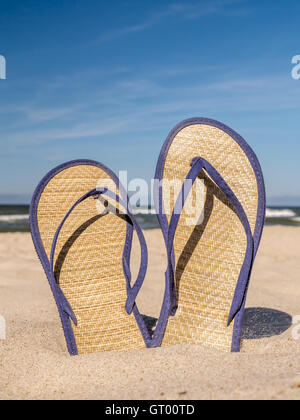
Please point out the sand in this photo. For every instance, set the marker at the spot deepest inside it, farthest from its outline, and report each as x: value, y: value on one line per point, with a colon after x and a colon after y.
x: 34, y: 363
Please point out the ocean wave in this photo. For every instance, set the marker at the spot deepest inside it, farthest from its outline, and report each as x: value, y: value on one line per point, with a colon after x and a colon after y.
x: 12, y: 218
x: 143, y: 211
x: 148, y: 220
x: 277, y: 213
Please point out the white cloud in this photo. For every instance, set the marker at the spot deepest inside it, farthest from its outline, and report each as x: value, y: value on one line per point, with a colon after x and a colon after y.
x: 131, y: 104
x: 185, y: 11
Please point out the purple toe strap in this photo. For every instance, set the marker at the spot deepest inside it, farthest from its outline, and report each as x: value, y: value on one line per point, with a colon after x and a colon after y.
x: 132, y: 292
x: 198, y: 164
x: 61, y: 299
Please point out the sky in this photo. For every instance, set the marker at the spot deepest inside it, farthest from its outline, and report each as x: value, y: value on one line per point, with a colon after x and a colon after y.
x: 107, y: 80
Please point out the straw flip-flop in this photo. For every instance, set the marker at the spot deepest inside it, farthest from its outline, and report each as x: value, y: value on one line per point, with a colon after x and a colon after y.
x: 210, y: 200
x: 84, y: 246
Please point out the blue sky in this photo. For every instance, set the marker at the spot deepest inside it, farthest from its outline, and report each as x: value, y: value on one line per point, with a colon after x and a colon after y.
x: 107, y: 80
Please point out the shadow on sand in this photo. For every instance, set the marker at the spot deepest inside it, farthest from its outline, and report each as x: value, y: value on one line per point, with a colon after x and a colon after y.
x: 264, y: 322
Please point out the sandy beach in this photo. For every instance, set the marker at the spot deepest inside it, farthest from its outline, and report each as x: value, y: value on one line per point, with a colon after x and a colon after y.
x: 35, y: 364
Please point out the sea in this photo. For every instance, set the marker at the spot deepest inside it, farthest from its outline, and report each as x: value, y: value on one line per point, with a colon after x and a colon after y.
x: 15, y: 218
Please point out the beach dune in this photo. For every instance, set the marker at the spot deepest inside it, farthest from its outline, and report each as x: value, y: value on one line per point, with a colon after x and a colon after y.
x: 35, y: 364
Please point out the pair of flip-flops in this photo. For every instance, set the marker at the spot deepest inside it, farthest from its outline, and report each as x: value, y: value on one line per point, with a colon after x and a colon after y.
x: 210, y: 202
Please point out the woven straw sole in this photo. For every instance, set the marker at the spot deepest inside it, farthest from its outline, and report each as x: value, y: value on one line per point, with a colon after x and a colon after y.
x: 208, y: 255
x: 88, y: 260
